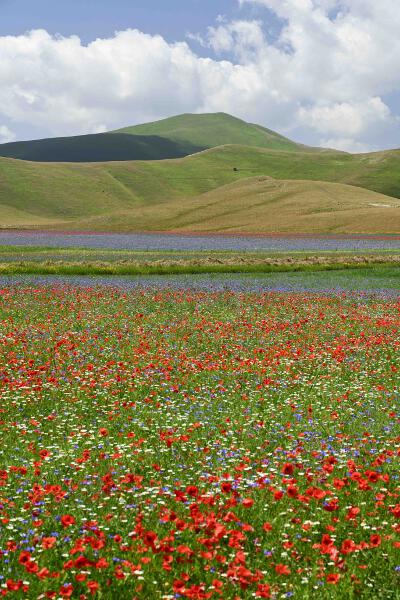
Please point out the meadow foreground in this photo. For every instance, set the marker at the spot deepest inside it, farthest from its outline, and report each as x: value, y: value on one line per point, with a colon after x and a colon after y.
x: 188, y: 444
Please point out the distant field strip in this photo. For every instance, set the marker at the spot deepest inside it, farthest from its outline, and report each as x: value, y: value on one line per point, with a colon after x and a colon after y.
x: 114, y: 263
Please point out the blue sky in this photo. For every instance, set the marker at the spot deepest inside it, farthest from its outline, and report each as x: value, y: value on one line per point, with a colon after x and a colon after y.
x: 90, y: 19
x: 318, y: 71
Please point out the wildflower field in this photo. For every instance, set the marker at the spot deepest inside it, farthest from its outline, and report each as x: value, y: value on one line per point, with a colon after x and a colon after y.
x: 196, y: 444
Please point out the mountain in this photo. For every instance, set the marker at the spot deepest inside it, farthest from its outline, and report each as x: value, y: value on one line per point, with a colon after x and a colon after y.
x: 212, y: 130
x: 170, y: 138
x: 228, y: 188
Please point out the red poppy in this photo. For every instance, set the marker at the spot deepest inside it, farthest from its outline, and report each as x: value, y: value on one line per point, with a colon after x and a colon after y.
x: 150, y: 537
x: 375, y: 540
x: 67, y: 520
x: 288, y: 469
x: 192, y: 490
x: 92, y: 586
x: 333, y: 578
x: 24, y: 557
x: 226, y: 487
x: 352, y: 513
x: 348, y: 546
x: 282, y: 569
x: 263, y: 590
x: 248, y: 502
x: 66, y: 590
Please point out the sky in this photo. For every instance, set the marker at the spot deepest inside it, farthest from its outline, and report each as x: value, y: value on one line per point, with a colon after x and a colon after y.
x: 322, y: 72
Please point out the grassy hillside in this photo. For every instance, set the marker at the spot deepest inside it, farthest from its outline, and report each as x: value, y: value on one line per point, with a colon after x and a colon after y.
x: 204, y: 193
x: 99, y: 147
x: 378, y: 171
x: 211, y: 130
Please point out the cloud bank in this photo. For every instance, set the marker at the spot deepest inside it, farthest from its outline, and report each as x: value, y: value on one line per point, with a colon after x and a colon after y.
x: 324, y: 79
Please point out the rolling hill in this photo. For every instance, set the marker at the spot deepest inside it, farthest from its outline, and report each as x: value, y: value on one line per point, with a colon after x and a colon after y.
x: 264, y: 205
x: 230, y: 188
x: 175, y: 137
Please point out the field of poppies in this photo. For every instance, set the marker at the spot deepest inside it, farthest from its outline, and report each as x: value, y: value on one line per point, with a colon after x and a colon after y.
x: 195, y: 444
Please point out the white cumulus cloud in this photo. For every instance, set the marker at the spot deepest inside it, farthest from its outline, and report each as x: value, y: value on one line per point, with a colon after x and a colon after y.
x: 6, y: 135
x: 347, y: 145
x: 325, y: 77
x: 345, y: 118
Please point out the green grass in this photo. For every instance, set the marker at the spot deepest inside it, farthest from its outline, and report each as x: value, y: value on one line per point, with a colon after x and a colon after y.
x: 44, y: 253
x: 133, y: 270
